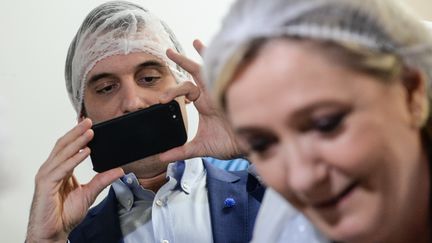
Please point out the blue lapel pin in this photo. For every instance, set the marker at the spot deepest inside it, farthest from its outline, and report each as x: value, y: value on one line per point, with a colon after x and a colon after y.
x: 229, y: 202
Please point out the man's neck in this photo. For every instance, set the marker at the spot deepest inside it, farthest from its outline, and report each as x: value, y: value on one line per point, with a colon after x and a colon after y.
x: 154, y: 183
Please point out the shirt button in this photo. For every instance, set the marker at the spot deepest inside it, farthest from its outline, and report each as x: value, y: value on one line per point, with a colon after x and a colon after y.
x: 129, y: 181
x: 165, y: 241
x: 185, y: 186
x: 159, y: 203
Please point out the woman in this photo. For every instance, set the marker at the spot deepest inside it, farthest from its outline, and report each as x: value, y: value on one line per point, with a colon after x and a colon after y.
x: 330, y: 100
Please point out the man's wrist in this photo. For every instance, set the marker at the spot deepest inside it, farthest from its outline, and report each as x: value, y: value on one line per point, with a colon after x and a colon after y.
x: 31, y: 240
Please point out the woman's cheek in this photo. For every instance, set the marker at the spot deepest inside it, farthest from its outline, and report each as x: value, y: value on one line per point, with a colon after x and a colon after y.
x: 273, y: 174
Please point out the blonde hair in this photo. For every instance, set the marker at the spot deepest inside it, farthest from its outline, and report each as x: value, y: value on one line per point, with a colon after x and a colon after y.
x: 378, y: 37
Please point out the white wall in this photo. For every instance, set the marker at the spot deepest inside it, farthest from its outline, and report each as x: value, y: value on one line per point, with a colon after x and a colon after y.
x: 34, y: 108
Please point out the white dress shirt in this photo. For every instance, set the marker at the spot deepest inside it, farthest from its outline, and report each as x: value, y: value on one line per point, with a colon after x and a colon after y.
x: 279, y: 222
x: 178, y: 212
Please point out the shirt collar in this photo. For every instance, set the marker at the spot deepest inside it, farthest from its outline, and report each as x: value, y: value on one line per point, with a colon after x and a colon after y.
x: 127, y: 188
x: 193, y: 170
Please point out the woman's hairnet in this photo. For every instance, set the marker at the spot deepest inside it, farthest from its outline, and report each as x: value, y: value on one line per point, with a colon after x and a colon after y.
x: 378, y: 25
x: 115, y: 28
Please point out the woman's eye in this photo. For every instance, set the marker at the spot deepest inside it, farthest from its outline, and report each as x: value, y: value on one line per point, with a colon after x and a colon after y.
x: 260, y: 144
x: 328, y: 123
x: 106, y: 88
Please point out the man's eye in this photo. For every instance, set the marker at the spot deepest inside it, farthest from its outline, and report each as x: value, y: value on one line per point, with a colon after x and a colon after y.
x: 149, y: 80
x: 328, y: 123
x: 106, y: 89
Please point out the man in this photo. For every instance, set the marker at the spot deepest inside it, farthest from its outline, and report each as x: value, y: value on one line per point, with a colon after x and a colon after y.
x: 117, y: 64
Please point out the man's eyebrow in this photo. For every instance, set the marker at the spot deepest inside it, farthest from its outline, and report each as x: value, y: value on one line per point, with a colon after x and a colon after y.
x: 150, y: 63
x: 96, y: 77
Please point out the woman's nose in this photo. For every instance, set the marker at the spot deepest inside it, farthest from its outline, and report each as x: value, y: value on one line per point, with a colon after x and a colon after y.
x: 306, y: 172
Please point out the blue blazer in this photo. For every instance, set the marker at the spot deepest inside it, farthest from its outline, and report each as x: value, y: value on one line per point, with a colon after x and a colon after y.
x: 229, y: 224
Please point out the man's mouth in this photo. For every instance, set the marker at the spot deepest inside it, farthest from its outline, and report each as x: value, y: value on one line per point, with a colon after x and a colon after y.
x: 336, y: 199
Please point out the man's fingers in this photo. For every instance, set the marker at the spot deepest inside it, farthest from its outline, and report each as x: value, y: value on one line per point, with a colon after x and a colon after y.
x: 72, y: 135
x: 175, y: 154
x: 74, y: 147
x: 100, y: 182
x: 69, y: 151
x: 67, y: 167
x: 199, y: 47
x: 187, y: 89
x: 187, y: 64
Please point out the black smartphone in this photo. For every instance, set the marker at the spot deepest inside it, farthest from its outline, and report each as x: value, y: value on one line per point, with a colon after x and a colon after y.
x: 137, y: 135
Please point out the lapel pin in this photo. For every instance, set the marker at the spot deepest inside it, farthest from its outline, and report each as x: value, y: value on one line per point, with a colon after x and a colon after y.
x: 229, y: 202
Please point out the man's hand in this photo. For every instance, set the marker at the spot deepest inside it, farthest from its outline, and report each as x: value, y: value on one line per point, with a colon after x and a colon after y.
x: 214, y: 137
x: 59, y: 201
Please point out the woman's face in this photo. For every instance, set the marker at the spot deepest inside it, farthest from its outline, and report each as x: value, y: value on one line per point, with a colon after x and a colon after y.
x: 341, y: 146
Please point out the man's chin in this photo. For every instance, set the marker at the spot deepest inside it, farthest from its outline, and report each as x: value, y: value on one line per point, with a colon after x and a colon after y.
x: 148, y: 167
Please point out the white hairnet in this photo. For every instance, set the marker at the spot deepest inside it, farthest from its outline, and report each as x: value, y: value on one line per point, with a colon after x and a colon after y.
x: 377, y: 25
x: 114, y: 28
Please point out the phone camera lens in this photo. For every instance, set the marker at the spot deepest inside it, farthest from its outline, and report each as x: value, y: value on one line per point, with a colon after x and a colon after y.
x: 172, y: 108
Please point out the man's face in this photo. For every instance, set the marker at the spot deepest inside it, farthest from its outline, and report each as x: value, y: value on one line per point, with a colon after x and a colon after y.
x: 125, y: 83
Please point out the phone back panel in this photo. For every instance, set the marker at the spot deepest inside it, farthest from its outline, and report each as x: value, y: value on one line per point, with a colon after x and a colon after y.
x: 137, y: 135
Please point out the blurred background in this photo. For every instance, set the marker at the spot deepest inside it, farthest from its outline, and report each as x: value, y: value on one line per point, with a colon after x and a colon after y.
x: 34, y: 108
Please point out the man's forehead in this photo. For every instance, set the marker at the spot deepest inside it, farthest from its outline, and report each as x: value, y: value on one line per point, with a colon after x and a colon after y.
x: 127, y: 61
x: 112, y: 29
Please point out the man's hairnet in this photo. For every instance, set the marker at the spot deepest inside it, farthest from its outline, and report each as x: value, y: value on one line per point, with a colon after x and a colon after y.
x: 377, y: 25
x: 114, y: 28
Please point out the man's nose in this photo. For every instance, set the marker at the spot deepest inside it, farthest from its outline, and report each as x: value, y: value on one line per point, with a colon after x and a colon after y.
x: 133, y: 99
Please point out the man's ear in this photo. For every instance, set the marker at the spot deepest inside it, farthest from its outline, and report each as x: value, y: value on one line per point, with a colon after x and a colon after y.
x: 81, y: 118
x: 415, y: 84
x: 83, y: 114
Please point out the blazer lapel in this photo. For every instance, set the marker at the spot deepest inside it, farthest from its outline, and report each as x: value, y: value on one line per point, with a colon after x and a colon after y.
x: 229, y: 223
